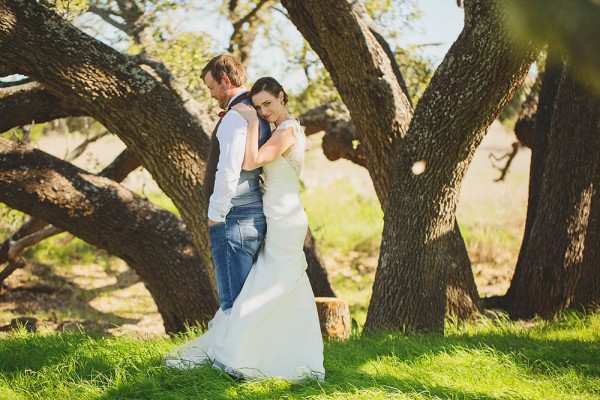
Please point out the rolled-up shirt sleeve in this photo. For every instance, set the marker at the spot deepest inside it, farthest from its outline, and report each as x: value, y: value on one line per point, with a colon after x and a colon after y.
x: 232, y: 145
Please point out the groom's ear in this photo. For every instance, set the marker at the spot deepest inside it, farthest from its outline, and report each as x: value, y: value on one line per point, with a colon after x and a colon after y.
x: 226, y: 81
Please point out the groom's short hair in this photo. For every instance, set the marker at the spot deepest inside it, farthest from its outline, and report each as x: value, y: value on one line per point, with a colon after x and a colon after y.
x: 226, y: 64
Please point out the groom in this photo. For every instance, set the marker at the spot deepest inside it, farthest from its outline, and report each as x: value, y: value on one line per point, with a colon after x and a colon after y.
x: 236, y: 221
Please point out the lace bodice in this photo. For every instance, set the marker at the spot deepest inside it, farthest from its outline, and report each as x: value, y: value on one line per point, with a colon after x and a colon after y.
x: 296, y: 155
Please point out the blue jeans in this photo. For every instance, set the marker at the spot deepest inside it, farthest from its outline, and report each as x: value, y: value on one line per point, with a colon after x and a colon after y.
x: 234, y: 245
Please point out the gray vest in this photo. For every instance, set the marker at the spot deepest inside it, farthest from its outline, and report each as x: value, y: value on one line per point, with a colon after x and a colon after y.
x: 248, y: 189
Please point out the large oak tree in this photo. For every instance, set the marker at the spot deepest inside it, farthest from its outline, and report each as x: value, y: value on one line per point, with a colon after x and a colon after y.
x: 421, y: 244
x: 417, y: 160
x: 105, y: 75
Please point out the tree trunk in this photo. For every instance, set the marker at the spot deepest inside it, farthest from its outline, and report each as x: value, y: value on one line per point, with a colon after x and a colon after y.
x: 481, y: 72
x: 365, y: 78
x: 317, y: 274
x: 117, y: 171
x: 553, y: 261
x: 371, y: 86
x: 150, y: 119
x: 151, y: 240
x: 462, y: 297
x: 28, y: 103
x: 539, y: 152
x: 587, y: 293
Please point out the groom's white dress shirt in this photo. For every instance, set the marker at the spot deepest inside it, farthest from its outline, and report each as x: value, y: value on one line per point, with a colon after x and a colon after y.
x: 231, y: 134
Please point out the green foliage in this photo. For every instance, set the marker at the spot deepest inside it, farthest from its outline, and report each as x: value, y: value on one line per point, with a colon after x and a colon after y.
x: 184, y: 54
x: 490, y: 359
x: 510, y: 113
x: 320, y: 90
x: 394, y: 16
x: 572, y: 28
x: 60, y: 251
x: 10, y: 220
x: 29, y: 132
x: 416, y: 70
x: 377, y: 8
x: 69, y: 9
x: 163, y: 201
x: 351, y: 222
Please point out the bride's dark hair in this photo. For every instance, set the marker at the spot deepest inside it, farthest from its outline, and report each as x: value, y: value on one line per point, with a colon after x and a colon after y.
x: 270, y: 85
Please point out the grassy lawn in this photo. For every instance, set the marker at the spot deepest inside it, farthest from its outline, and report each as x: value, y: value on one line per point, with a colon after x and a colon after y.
x: 484, y: 360
x: 101, y: 336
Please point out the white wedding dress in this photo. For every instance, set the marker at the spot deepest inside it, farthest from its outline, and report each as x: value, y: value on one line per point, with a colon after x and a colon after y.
x: 272, y: 330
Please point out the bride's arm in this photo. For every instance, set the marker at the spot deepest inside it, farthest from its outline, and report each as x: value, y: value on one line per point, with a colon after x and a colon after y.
x: 280, y: 141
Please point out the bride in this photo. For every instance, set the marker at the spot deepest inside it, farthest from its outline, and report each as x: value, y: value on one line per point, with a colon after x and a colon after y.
x: 272, y: 330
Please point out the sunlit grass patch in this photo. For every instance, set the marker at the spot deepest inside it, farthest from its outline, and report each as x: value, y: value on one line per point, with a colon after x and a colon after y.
x: 163, y: 201
x: 64, y: 251
x: 488, y: 359
x: 342, y: 219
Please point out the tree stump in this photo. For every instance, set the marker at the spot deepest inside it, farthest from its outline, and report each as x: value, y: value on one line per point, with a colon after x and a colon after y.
x: 334, y: 317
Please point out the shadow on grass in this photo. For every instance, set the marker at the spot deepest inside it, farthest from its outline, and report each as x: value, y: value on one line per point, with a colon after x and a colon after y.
x: 353, y: 367
x: 64, y: 297
x: 29, y: 352
x: 533, y: 356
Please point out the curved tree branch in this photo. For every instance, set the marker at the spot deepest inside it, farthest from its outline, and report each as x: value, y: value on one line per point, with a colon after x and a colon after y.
x: 245, y: 28
x: 358, y: 7
x: 107, y: 16
x: 117, y: 171
x: 150, y: 119
x: 163, y: 254
x: 341, y: 139
x: 24, y: 103
x: 338, y: 34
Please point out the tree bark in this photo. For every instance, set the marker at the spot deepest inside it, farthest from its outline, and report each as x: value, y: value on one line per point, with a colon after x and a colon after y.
x: 481, y: 71
x: 117, y: 171
x: 31, y: 103
x: 151, y: 240
x: 539, y: 152
x: 150, y: 119
x: 365, y: 78
x: 160, y: 127
x: 554, y: 256
x: 462, y: 297
x: 587, y: 293
x: 334, y: 317
x: 341, y: 139
x: 370, y: 84
x: 525, y: 125
x: 317, y: 274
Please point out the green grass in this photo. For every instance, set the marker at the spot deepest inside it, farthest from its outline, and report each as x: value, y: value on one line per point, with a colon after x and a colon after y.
x: 343, y: 220
x: 64, y: 252
x: 10, y: 220
x: 485, y: 360
x: 17, y: 133
x: 161, y: 200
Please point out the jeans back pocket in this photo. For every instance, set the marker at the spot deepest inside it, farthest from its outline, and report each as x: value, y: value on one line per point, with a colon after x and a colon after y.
x: 252, y: 234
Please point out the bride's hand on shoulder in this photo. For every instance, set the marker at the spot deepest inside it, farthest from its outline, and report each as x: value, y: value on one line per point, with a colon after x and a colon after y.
x: 246, y: 111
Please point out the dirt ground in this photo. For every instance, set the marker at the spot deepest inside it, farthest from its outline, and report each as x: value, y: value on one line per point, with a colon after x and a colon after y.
x: 106, y: 296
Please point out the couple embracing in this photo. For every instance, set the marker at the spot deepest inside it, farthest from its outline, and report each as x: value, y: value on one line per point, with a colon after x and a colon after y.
x: 267, y: 323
